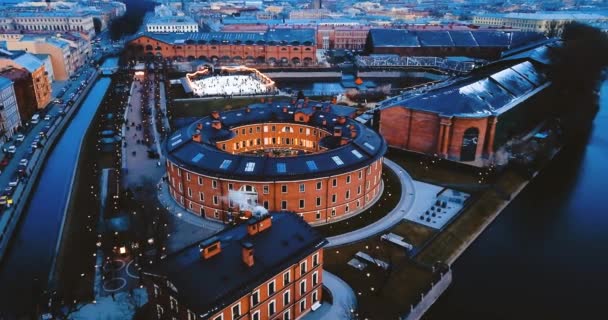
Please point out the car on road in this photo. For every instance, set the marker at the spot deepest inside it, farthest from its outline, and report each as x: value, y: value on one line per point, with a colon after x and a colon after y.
x: 48, y: 117
x: 8, y: 191
x: 36, y: 143
x: 19, y: 137
x: 12, y: 149
x: 61, y: 111
x: 23, y: 162
x: 3, y: 200
x: 14, y: 181
x: 4, y: 162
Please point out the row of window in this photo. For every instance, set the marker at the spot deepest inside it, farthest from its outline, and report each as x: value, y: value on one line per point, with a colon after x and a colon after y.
x: 273, y: 128
x: 266, y: 188
x: 273, y: 140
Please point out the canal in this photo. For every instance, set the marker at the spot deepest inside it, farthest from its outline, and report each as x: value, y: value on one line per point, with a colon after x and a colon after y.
x: 546, y: 255
x: 28, y: 262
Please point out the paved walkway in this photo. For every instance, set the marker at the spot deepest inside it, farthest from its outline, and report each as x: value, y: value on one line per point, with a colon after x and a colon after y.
x: 406, y: 203
x: 141, y: 169
x: 163, y: 107
x: 183, y: 214
x: 344, y: 300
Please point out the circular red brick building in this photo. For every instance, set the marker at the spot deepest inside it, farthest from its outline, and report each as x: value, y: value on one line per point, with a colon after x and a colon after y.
x: 306, y: 157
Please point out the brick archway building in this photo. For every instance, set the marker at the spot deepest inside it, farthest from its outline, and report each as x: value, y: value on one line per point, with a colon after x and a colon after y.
x: 305, y: 157
x: 467, y: 119
x: 288, y: 46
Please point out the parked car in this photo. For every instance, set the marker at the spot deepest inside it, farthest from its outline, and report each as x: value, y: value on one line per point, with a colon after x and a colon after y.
x: 12, y: 149
x: 19, y: 138
x: 23, y: 162
x: 4, y: 162
x: 8, y: 191
x: 3, y: 200
x: 14, y: 181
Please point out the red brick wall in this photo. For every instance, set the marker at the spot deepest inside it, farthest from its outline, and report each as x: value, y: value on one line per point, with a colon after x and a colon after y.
x: 360, y: 191
x: 459, y: 126
x: 184, y: 51
x: 161, y: 297
x: 419, y: 131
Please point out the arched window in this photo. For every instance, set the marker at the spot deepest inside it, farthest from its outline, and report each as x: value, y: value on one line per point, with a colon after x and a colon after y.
x: 468, y: 149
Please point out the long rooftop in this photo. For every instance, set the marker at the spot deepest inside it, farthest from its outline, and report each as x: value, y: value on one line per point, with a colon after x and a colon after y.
x: 403, y: 38
x: 365, y: 148
x: 206, y: 286
x: 272, y: 37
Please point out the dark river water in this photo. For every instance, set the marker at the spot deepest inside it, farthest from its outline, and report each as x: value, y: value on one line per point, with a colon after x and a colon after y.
x: 33, y: 247
x: 546, y: 255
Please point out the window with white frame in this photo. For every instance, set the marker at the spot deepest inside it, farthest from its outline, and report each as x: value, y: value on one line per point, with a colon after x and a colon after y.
x: 271, y: 287
x: 159, y: 311
x: 286, y: 298
x: 255, y: 297
x: 303, y: 305
x: 302, y: 268
x: 236, y: 311
x: 272, y: 308
x: 315, y: 278
x: 286, y: 278
x: 256, y: 315
x: 315, y: 259
x: 173, y: 304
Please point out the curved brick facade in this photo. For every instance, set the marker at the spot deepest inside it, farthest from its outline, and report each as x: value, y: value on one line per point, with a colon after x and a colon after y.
x: 208, y: 196
x: 315, y: 170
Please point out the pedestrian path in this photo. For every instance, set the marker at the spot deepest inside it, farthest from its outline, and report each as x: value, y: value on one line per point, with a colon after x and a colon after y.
x: 173, y: 208
x: 406, y: 203
x: 344, y: 301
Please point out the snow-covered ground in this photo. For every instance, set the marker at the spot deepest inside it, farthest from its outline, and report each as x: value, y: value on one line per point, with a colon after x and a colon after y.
x: 229, y: 85
x: 122, y: 307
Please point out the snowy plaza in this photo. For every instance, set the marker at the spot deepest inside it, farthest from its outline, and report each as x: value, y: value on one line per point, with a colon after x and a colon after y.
x: 231, y: 81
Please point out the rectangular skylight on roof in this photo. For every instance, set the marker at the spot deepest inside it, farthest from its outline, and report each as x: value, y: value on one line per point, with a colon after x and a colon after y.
x: 281, y: 167
x: 225, y: 164
x: 174, y: 143
x: 312, y: 166
x: 337, y: 160
x: 249, y: 166
x: 369, y: 146
x: 357, y: 154
x: 198, y: 157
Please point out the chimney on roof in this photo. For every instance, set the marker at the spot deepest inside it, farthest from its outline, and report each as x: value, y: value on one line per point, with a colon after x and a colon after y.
x: 247, y: 109
x: 337, y: 131
x: 199, y: 126
x: 257, y: 225
x: 210, y: 247
x: 196, y: 137
x: 247, y: 253
x: 284, y: 109
x: 341, y: 120
x: 216, y: 124
x: 215, y: 114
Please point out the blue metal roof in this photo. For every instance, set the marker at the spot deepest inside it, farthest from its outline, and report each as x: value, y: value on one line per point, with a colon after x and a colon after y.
x: 183, y: 151
x: 206, y: 286
x: 5, y: 82
x: 278, y: 37
x: 443, y: 38
x: 478, y: 95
